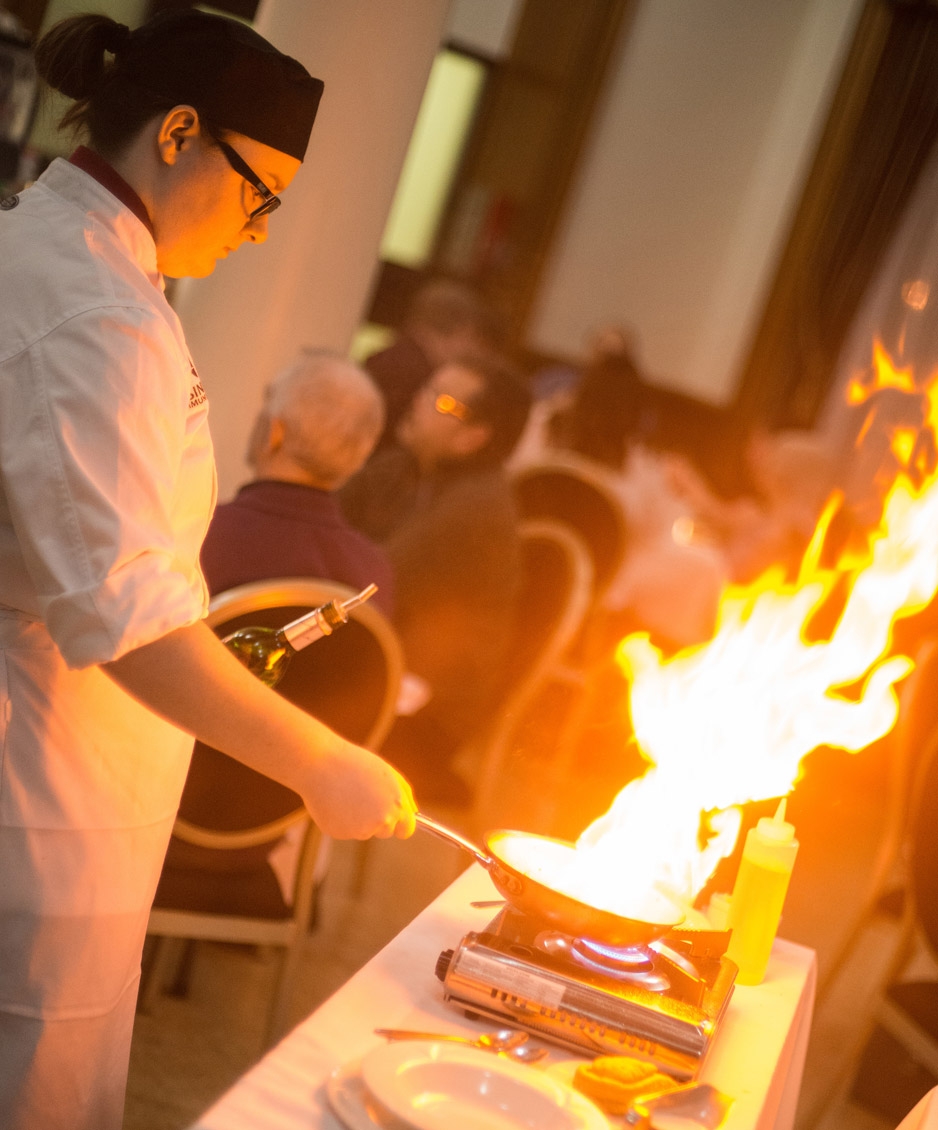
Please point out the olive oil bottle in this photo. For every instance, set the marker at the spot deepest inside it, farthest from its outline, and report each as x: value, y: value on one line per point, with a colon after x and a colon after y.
x: 266, y: 652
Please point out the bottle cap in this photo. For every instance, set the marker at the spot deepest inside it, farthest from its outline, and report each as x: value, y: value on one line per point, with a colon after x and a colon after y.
x: 775, y: 827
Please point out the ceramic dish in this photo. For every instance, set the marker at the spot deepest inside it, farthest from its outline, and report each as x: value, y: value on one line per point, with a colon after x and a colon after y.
x: 436, y: 1086
x: 351, y: 1103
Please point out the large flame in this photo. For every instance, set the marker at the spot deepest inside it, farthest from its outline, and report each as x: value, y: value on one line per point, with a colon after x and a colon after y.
x: 730, y: 721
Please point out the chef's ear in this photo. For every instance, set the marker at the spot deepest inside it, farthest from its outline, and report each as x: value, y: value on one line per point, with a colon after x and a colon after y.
x: 179, y: 129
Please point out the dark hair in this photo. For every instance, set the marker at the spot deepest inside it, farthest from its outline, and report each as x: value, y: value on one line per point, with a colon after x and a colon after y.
x: 605, y: 412
x: 72, y: 58
x: 503, y: 404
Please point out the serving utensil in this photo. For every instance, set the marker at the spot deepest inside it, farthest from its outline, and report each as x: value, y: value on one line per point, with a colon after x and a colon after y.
x: 506, y: 1041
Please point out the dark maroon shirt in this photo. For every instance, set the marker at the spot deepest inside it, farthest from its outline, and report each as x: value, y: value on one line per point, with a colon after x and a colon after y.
x: 277, y: 529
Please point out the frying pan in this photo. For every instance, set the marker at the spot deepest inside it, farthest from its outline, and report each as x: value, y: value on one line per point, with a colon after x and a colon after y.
x: 532, y: 896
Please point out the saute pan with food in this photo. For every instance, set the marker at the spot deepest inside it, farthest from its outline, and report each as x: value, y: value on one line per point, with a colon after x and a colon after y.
x: 520, y: 864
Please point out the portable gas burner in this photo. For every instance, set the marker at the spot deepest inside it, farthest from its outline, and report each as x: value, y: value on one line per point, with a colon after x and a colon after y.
x: 661, y: 1002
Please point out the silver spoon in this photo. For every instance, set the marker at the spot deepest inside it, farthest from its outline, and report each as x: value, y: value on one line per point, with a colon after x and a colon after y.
x: 526, y: 1053
x: 506, y: 1041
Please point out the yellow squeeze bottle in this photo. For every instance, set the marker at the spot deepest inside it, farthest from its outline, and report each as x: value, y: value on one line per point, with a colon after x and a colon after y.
x: 761, y: 884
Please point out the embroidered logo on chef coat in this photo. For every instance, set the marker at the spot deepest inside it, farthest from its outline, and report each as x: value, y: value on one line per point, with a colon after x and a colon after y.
x: 8, y: 203
x: 197, y: 394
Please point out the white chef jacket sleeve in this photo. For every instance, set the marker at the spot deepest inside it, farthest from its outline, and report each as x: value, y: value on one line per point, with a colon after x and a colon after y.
x: 93, y: 442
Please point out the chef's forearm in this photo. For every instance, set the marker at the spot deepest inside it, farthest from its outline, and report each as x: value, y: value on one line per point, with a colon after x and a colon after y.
x: 190, y: 678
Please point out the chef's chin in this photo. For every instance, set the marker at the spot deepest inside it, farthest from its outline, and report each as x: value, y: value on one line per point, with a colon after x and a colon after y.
x: 192, y: 271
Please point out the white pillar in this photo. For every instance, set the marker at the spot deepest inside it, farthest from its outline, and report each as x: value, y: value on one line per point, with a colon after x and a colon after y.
x: 308, y: 284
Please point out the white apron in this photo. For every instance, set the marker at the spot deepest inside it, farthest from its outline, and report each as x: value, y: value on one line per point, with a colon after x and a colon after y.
x: 89, y: 785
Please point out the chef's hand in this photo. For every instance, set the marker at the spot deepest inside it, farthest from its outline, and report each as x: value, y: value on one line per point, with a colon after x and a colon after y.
x: 353, y: 794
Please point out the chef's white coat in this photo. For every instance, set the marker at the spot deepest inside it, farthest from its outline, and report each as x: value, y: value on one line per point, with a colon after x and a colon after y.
x: 106, y: 488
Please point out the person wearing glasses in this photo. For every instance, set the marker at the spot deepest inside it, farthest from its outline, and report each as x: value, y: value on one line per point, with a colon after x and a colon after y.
x: 194, y: 126
x: 443, y: 319
x: 440, y: 503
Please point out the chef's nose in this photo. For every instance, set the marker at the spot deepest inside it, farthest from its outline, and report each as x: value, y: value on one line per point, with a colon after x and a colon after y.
x: 256, y: 229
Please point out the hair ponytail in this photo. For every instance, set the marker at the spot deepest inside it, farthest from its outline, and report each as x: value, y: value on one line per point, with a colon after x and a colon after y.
x: 71, y: 56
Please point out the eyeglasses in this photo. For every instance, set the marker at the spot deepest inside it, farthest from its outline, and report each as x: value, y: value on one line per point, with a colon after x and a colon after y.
x: 448, y: 405
x: 271, y: 201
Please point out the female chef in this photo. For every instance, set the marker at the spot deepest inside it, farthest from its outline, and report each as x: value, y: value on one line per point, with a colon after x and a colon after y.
x: 195, y: 125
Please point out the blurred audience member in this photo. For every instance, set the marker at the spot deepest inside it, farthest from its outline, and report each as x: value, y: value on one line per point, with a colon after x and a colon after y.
x: 603, y: 418
x: 444, y: 319
x: 596, y: 412
x: 670, y: 581
x: 689, y: 542
x: 666, y: 584
x: 440, y: 503
x: 793, y: 474
x: 319, y: 423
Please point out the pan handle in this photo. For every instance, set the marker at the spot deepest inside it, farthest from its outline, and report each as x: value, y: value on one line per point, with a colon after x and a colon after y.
x: 444, y: 833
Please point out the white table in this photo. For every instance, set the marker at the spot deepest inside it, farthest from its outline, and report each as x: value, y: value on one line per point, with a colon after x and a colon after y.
x: 757, y: 1056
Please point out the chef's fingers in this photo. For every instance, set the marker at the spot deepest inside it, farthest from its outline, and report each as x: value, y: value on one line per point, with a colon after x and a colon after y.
x: 408, y: 822
x: 395, y: 825
x: 403, y: 820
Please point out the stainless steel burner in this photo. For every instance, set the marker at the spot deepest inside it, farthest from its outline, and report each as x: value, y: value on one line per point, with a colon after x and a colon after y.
x: 651, y: 1002
x: 633, y: 964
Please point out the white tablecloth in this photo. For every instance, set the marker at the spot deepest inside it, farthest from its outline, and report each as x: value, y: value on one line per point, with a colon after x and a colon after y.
x: 757, y: 1056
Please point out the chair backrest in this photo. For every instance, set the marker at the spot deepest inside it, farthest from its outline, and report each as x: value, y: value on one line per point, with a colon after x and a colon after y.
x: 245, y: 858
x: 577, y: 492
x: 555, y: 596
x: 348, y: 680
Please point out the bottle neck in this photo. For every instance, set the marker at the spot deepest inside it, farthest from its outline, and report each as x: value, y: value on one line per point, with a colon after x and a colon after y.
x: 312, y: 626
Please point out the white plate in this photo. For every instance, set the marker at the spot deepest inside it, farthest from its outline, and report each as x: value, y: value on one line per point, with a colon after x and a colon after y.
x: 438, y: 1086
x: 350, y: 1100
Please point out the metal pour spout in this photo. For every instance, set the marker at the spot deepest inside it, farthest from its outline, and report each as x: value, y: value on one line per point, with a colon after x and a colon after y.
x: 322, y: 621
